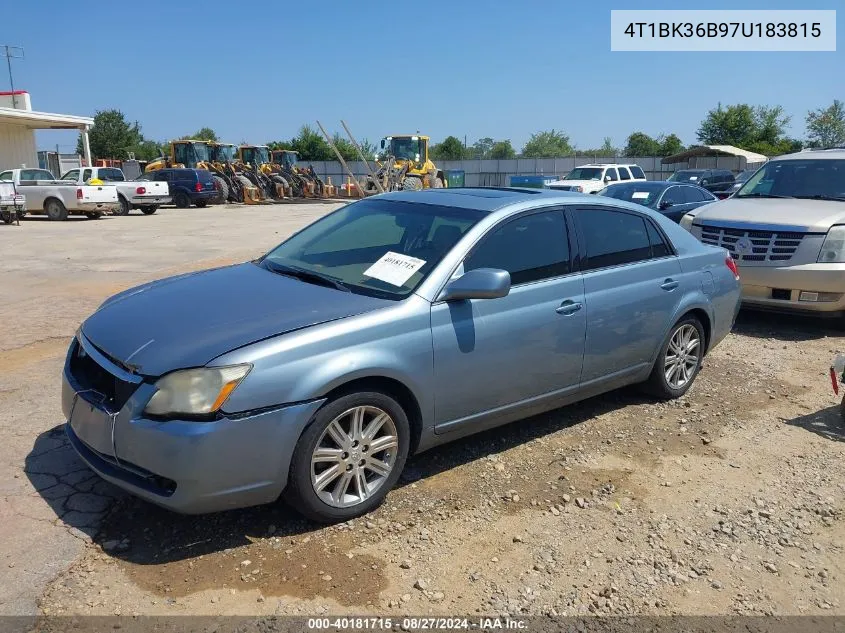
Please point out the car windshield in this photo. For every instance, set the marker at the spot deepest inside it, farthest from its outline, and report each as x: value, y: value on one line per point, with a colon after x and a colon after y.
x: 382, y: 248
x: 644, y: 193
x: 744, y: 175
x: 584, y: 173
x: 224, y: 153
x: 405, y: 148
x: 200, y: 152
x: 800, y: 178
x: 686, y: 175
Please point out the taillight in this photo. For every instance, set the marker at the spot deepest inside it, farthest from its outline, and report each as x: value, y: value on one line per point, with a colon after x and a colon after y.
x: 198, y: 186
x: 141, y: 190
x: 730, y: 263
x: 79, y: 194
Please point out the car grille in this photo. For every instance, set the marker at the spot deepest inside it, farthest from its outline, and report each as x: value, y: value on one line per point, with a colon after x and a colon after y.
x: 113, y: 392
x: 561, y: 188
x: 761, y: 246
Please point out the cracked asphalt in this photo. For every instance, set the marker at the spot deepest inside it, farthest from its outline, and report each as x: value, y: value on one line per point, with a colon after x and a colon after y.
x: 51, y: 504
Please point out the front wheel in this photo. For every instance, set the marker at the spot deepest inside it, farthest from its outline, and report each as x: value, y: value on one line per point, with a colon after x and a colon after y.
x: 349, y: 457
x: 124, y: 206
x: 679, y: 360
x: 149, y: 210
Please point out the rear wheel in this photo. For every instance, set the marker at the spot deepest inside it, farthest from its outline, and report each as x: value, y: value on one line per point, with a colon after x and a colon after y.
x: 149, y: 210
x: 124, y: 206
x: 349, y: 457
x: 222, y: 189
x: 181, y: 200
x: 55, y: 210
x: 679, y: 360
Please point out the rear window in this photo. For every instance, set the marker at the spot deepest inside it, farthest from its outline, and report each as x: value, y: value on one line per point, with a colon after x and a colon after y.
x: 185, y: 174
x: 204, y: 175
x: 109, y: 174
x: 637, y: 172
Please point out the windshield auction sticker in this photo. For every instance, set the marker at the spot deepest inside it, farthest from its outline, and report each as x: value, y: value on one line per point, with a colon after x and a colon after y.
x: 720, y: 30
x: 394, y: 268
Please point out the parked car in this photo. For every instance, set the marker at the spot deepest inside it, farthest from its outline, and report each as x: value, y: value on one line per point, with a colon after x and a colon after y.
x: 739, y: 180
x: 12, y: 204
x: 786, y: 230
x: 390, y: 326
x: 147, y: 197
x: 58, y: 199
x: 674, y: 200
x: 711, y: 179
x: 593, y: 178
x: 187, y: 186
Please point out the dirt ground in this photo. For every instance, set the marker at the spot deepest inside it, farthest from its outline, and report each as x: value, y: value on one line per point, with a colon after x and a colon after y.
x: 728, y: 501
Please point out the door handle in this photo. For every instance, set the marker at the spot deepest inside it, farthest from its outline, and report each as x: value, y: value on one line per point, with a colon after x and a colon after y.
x: 669, y: 284
x: 568, y: 307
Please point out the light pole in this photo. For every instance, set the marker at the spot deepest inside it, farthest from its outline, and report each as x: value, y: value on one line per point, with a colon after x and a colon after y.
x: 10, y: 52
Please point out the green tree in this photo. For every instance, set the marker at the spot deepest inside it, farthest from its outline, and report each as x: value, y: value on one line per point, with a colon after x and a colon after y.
x: 502, y: 150
x: 204, y: 134
x: 607, y: 147
x: 111, y: 135
x: 669, y: 145
x: 345, y: 147
x: 311, y: 145
x: 280, y: 145
x: 641, y: 144
x: 450, y: 148
x: 368, y: 149
x: 482, y: 147
x: 147, y: 150
x: 826, y: 126
x: 759, y: 128
x: 547, y: 144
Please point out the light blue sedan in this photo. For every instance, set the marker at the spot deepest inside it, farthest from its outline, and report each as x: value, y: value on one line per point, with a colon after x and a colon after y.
x: 390, y: 326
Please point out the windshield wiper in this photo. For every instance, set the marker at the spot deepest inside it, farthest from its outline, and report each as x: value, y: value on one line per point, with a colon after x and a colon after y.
x: 304, y: 275
x: 822, y: 197
x: 762, y: 195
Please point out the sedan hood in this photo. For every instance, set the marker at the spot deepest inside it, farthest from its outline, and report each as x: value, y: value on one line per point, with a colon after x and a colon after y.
x: 189, y: 320
x: 790, y: 214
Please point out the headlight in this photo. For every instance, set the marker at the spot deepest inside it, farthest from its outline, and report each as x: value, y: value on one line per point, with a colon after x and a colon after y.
x: 195, y: 391
x: 833, y: 248
x: 686, y: 221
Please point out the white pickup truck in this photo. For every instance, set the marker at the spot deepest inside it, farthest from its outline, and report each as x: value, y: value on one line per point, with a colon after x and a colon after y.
x: 58, y: 199
x: 147, y: 195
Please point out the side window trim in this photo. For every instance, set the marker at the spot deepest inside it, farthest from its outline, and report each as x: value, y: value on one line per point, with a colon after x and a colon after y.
x: 582, y: 244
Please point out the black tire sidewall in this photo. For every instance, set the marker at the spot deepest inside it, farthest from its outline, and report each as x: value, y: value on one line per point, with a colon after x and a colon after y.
x: 62, y: 212
x: 657, y: 381
x: 124, y: 206
x: 149, y: 210
x: 201, y: 204
x: 182, y: 200
x: 299, y: 492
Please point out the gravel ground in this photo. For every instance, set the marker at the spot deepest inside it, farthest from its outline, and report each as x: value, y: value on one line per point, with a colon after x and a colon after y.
x: 728, y: 501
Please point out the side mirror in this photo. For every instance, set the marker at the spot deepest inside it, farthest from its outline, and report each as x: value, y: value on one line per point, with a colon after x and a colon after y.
x: 704, y: 182
x: 481, y: 283
x: 607, y: 178
x: 382, y: 143
x: 665, y: 204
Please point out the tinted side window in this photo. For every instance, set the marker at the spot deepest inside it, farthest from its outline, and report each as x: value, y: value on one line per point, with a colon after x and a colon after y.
x: 674, y: 195
x: 659, y: 247
x: 611, y: 173
x: 6, y: 175
x: 72, y: 175
x: 86, y: 174
x: 697, y: 195
x: 637, y: 172
x: 531, y: 247
x: 612, y: 237
x: 623, y: 174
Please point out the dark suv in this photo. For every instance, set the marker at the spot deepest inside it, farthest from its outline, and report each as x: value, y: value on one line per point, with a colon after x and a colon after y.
x: 710, y: 179
x: 188, y: 186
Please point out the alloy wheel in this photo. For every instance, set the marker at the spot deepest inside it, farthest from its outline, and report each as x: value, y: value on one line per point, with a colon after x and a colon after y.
x: 354, y: 456
x: 682, y: 355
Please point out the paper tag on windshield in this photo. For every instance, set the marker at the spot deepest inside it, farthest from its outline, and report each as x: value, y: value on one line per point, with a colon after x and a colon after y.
x: 394, y: 268
x: 693, y: 177
x: 639, y: 195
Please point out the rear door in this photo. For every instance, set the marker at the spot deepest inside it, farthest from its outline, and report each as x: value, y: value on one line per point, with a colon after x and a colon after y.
x: 632, y: 286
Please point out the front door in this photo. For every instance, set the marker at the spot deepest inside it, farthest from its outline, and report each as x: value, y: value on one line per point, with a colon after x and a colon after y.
x: 491, y: 355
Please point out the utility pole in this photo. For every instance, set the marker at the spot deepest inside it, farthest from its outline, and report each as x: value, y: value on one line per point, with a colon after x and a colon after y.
x: 12, y: 52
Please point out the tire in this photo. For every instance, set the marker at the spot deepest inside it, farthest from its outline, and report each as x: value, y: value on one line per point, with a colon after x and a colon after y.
x: 245, y: 182
x: 124, y: 206
x: 201, y: 204
x: 7, y: 217
x: 436, y: 183
x: 94, y: 216
x: 336, y: 502
x: 55, y: 210
x: 222, y: 189
x: 412, y: 183
x: 668, y: 388
x: 149, y: 210
x: 181, y: 200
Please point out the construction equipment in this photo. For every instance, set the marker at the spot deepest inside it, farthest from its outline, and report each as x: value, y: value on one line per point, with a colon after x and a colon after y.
x: 302, y: 183
x: 404, y: 163
x: 254, y: 164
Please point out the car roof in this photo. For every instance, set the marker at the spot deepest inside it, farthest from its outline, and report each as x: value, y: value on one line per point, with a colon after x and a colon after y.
x: 490, y: 199
x: 606, y: 165
x: 837, y: 153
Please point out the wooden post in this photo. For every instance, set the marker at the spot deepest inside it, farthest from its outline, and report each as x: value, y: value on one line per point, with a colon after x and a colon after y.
x: 361, y: 156
x: 340, y: 158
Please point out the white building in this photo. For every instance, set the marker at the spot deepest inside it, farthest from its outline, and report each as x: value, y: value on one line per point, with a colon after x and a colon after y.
x: 18, y: 122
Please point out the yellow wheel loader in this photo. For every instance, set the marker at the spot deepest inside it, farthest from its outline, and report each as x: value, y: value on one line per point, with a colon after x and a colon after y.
x: 303, y: 183
x: 254, y: 161
x: 404, y: 164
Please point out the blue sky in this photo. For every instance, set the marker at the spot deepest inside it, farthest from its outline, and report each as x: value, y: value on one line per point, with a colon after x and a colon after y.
x: 257, y: 71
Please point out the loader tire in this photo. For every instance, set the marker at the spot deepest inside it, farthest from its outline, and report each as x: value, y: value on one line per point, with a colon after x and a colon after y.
x: 222, y: 190
x: 412, y: 183
x: 436, y: 183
